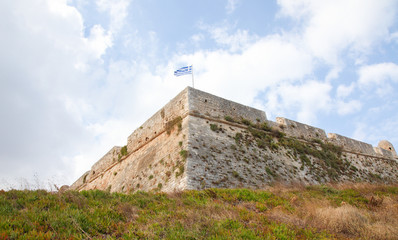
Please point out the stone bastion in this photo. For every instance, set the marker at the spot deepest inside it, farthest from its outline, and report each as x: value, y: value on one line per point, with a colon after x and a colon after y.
x: 199, y: 140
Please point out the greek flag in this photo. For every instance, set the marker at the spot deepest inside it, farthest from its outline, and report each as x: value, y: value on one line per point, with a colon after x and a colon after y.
x: 183, y: 71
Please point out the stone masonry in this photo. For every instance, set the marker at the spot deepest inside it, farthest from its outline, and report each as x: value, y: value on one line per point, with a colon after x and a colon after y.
x: 199, y: 141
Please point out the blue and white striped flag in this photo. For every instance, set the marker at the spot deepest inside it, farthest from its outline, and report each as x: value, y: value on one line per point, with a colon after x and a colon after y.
x: 183, y: 71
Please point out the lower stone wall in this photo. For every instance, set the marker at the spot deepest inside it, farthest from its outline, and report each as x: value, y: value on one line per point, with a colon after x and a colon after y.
x: 217, y: 160
x: 158, y: 165
x: 229, y: 157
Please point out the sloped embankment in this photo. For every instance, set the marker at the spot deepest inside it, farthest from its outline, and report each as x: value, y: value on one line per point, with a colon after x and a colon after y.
x: 362, y: 211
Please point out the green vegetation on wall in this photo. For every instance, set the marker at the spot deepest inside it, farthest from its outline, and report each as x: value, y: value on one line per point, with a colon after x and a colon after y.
x: 123, y: 152
x: 170, y: 124
x: 329, y: 155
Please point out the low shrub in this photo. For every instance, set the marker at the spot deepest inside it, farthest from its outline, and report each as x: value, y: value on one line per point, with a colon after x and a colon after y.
x: 214, y: 127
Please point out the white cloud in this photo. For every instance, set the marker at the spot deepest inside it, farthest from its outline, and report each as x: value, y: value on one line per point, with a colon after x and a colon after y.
x: 197, y: 38
x: 231, y: 6
x: 378, y: 74
x: 236, y: 41
x: 44, y: 90
x: 296, y: 9
x: 306, y: 99
x: 378, y: 78
x: 265, y: 63
x: 344, y: 90
x: 98, y: 41
x: 394, y: 36
x: 343, y: 106
x: 361, y: 131
x: 331, y: 26
x: 380, y: 130
x: 117, y: 10
x: 348, y: 107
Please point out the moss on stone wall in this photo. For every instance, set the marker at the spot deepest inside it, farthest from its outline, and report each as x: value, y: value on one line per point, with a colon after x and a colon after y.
x: 170, y: 124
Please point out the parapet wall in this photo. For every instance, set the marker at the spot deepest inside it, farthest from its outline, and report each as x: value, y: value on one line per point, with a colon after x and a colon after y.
x: 110, y: 157
x: 175, y: 110
x: 203, y: 103
x: 299, y: 130
x: 302, y: 131
x: 80, y: 181
x: 350, y: 144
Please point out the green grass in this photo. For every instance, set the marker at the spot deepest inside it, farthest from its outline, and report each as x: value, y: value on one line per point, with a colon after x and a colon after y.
x: 206, y: 214
x: 336, y: 197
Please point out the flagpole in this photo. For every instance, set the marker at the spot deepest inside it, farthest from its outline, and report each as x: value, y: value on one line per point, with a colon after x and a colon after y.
x: 193, y: 85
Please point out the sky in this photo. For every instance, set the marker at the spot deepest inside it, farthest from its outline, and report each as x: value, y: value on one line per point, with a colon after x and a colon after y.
x: 78, y: 76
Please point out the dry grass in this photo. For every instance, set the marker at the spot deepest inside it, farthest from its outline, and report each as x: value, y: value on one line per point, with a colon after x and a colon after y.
x: 374, y: 216
x: 351, y: 221
x: 345, y: 219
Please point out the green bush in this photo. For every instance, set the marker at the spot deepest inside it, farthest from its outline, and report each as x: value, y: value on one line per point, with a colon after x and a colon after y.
x: 214, y: 127
x: 270, y: 172
x: 229, y: 119
x: 123, y: 151
x: 247, y: 122
x: 184, y: 154
x: 238, y: 138
x: 180, y: 171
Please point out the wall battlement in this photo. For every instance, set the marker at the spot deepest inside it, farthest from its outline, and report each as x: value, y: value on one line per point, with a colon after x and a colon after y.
x: 199, y: 140
x: 352, y: 145
x: 174, y: 110
x: 300, y: 130
x: 205, y: 104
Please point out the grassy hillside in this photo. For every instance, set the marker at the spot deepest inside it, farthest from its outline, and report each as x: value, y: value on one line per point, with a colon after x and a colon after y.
x: 359, y: 211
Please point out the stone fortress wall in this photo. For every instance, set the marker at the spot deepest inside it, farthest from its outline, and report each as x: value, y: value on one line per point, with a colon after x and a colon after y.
x: 175, y: 150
